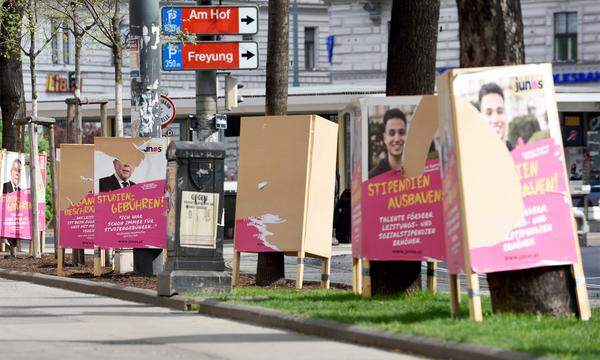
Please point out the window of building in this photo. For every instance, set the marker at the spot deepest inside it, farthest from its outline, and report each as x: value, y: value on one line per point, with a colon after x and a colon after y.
x: 54, y: 44
x: 66, y: 46
x: 309, y: 48
x: 565, y: 36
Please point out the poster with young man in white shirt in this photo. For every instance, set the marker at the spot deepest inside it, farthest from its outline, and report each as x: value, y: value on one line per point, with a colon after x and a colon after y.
x: 129, y: 183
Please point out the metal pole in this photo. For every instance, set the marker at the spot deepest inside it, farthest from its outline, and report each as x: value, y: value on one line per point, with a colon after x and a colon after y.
x: 296, y: 81
x: 33, y: 167
x: 53, y: 173
x: 144, y: 22
x: 206, y: 93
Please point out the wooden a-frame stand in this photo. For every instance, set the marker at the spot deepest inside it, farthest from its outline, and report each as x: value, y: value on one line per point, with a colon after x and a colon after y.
x: 361, y: 277
x: 325, y: 269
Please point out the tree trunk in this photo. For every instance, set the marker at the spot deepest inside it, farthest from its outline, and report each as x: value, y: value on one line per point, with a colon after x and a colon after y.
x: 491, y: 34
x: 410, y: 71
x: 271, y: 266
x: 77, y: 91
x: 117, y: 49
x: 12, y: 92
x: 31, y: 28
x: 278, y: 57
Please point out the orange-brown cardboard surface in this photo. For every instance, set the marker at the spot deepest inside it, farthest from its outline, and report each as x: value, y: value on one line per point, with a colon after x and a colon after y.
x: 490, y: 185
x: 125, y: 149
x: 420, y: 136
x: 76, y: 170
x: 286, y: 183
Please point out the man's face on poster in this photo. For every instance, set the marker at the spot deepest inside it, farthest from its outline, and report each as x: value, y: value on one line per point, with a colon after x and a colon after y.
x: 394, y: 136
x: 492, y: 109
x: 123, y: 170
x: 15, y: 172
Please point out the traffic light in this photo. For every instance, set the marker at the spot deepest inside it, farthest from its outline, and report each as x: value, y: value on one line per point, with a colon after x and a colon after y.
x: 232, y: 98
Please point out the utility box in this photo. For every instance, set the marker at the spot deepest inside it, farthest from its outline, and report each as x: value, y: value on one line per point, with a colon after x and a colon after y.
x: 286, y: 185
x: 195, y: 177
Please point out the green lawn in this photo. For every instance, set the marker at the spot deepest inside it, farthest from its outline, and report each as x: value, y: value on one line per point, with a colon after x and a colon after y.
x: 429, y: 315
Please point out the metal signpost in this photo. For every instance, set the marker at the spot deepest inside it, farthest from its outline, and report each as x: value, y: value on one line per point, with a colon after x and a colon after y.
x: 195, y: 171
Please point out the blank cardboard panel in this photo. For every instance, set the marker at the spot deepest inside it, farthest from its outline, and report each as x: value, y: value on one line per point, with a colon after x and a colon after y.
x: 76, y: 173
x: 286, y: 184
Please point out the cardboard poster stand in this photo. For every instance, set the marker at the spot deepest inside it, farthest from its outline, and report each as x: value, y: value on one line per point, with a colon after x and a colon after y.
x: 75, y: 176
x: 386, y: 241
x: 491, y: 230
x: 286, y: 187
x: 42, y: 161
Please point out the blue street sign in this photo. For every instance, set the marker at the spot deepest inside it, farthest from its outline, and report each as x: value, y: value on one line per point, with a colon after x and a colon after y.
x: 172, y: 59
x: 171, y: 20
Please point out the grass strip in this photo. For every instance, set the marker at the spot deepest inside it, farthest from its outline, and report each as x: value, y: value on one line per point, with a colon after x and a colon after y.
x: 429, y: 315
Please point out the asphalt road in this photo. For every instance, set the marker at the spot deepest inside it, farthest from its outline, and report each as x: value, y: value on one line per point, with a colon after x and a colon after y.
x: 38, y: 322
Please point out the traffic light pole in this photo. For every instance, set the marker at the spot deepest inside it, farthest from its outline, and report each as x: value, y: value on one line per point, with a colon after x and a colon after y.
x: 144, y: 22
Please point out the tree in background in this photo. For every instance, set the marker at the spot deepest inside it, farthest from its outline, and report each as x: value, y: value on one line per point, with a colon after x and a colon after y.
x: 412, y: 49
x: 107, y: 17
x: 78, y: 23
x: 12, y: 92
x: 491, y: 34
x: 270, y: 266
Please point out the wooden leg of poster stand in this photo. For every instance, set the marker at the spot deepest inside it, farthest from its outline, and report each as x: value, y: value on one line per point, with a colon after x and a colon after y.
x: 19, y: 245
x: 2, y: 246
x: 583, y: 302
x: 359, y: 276
x: 325, y: 271
x: 475, y: 310
x: 102, y: 257
x: 97, y: 263
x: 31, y: 248
x: 366, y: 278
x: 454, y: 294
x: 235, y: 269
x: 300, y: 270
x: 431, y: 277
x: 60, y: 262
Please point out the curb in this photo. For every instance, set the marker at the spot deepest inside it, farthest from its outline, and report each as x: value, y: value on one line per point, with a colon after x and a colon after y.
x: 412, y: 344
x: 398, y: 342
x: 126, y: 293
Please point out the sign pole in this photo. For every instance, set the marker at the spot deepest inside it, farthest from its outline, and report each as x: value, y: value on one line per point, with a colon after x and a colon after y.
x: 144, y: 22
x: 206, y: 93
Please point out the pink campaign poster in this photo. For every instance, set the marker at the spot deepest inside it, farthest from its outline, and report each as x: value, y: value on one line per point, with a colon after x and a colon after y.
x: 453, y: 234
x: 16, y: 202
x: 76, y: 196
x: 519, y: 107
x: 394, y: 217
x: 130, y: 177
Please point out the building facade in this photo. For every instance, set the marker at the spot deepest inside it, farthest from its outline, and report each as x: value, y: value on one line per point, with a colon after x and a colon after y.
x: 342, y: 53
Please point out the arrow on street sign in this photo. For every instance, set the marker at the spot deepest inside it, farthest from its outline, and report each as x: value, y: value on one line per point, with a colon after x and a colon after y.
x: 231, y: 55
x: 210, y: 20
